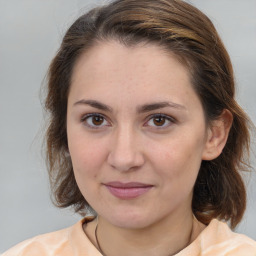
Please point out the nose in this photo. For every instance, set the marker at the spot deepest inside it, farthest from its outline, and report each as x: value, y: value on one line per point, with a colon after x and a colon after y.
x: 126, y: 152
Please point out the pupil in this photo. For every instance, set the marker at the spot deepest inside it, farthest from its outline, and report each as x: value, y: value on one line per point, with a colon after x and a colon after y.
x: 97, y: 120
x: 159, y: 121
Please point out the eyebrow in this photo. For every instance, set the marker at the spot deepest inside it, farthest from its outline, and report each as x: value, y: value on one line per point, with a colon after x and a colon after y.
x: 94, y: 104
x: 159, y: 105
x: 140, y: 109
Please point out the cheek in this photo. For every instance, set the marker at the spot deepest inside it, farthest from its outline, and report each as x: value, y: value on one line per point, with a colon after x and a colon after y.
x: 86, y: 155
x: 87, y: 160
x: 178, y: 158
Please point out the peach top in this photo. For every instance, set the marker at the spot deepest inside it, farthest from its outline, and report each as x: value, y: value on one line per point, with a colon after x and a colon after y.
x: 215, y: 240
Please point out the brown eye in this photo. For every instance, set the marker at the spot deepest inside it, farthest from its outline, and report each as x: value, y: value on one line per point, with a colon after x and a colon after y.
x: 159, y: 121
x: 97, y: 120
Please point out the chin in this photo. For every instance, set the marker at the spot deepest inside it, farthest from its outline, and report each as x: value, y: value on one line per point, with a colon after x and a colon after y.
x: 130, y: 219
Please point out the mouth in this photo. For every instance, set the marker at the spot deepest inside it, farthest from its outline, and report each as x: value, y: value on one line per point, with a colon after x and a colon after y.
x: 128, y: 190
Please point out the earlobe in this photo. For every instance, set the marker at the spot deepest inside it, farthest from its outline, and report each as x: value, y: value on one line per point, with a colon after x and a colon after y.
x: 217, y: 135
x: 66, y: 152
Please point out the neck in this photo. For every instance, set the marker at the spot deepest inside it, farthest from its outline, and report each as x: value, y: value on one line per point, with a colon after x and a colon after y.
x: 165, y: 238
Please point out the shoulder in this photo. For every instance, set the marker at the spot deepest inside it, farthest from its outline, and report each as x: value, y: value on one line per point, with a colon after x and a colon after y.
x: 41, y: 245
x: 65, y: 242
x: 50, y: 244
x: 219, y: 239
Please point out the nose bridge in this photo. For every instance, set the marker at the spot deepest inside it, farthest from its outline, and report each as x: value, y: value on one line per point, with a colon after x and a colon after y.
x: 125, y: 152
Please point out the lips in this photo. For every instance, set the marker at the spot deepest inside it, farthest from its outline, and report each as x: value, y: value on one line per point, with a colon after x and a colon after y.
x: 128, y: 190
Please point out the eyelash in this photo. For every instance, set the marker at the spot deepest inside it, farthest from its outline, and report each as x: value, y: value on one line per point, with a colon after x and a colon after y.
x: 85, y: 118
x: 170, y: 119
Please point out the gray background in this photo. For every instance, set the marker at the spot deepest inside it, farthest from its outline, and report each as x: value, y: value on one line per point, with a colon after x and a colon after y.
x: 30, y: 33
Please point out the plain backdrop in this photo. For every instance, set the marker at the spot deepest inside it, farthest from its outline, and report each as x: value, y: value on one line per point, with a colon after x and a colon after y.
x: 30, y: 33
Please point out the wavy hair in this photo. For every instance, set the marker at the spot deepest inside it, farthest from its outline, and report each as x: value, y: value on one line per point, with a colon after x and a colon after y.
x: 182, y: 29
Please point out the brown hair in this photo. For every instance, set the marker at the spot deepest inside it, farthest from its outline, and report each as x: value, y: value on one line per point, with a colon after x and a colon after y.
x: 182, y: 29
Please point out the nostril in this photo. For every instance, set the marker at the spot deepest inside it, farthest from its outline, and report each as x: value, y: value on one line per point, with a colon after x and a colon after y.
x: 125, y: 161
x: 125, y: 153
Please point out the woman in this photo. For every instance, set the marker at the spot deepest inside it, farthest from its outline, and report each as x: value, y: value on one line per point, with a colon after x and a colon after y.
x: 145, y: 134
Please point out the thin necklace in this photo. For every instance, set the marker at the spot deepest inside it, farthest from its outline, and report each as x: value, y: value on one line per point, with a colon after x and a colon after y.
x: 97, y: 241
x: 103, y: 254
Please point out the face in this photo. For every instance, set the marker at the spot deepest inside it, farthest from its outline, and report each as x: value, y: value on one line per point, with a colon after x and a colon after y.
x: 136, y: 133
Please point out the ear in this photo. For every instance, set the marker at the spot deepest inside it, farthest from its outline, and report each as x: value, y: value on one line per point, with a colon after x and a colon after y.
x: 217, y: 135
x: 66, y: 152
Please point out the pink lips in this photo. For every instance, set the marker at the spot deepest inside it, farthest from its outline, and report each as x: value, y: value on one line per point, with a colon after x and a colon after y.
x: 128, y: 190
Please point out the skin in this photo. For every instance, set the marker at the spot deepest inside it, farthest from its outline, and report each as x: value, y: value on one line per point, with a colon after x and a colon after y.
x: 128, y: 142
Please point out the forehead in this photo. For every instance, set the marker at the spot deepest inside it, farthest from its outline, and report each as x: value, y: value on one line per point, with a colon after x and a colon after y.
x: 141, y: 72
x: 111, y: 55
